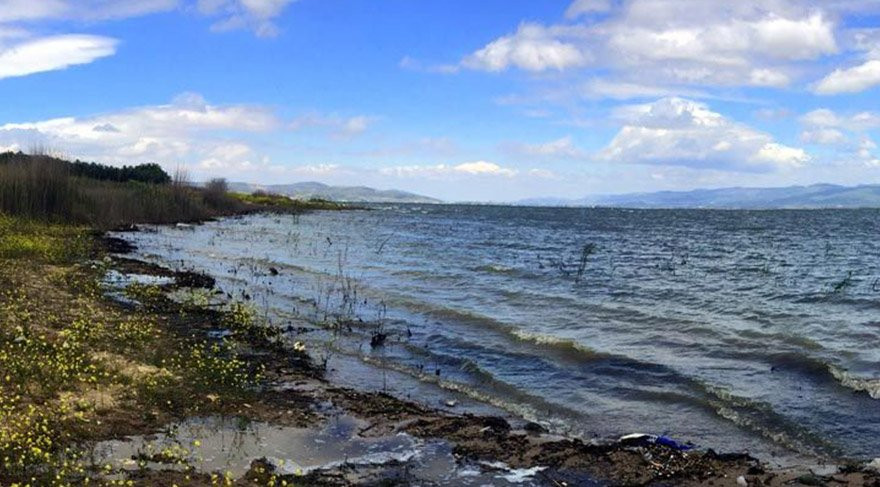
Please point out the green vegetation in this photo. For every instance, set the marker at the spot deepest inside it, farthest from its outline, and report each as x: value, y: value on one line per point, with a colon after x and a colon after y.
x: 144, y: 173
x: 49, y: 189
x: 281, y: 202
x: 51, y: 243
x: 76, y: 367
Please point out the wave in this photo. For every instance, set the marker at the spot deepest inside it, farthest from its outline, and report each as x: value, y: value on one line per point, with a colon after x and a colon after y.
x: 558, y: 343
x: 761, y: 418
x: 494, y: 269
x: 821, y: 368
x: 860, y: 384
x: 527, y: 406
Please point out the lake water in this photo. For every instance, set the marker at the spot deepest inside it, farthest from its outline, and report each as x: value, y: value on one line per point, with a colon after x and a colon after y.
x: 737, y: 330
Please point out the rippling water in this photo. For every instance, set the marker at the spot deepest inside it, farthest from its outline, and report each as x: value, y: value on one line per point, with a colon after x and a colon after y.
x: 755, y: 330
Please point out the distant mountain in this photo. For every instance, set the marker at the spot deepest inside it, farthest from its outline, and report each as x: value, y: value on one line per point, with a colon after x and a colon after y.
x: 353, y: 194
x: 815, y: 196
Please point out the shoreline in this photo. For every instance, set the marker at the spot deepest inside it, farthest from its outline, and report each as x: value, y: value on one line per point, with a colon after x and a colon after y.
x: 563, y: 461
x: 143, y: 375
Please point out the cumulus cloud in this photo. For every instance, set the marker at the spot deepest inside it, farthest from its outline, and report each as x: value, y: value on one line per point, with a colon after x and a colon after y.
x: 826, y: 118
x: 185, y: 130
x: 676, y: 44
x: 847, y: 132
x: 680, y: 132
x: 823, y: 136
x: 532, y: 48
x: 257, y: 15
x: 850, y: 80
x: 53, y: 53
x: 739, y: 48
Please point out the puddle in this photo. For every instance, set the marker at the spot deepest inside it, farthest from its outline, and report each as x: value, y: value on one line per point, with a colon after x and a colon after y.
x: 116, y: 279
x: 115, y: 283
x: 224, y: 445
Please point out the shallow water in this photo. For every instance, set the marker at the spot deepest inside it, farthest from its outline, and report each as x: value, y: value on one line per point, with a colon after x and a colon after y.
x: 228, y: 446
x: 738, y: 330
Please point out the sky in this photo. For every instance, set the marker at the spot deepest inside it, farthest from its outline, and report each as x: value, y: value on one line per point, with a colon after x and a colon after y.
x: 463, y: 100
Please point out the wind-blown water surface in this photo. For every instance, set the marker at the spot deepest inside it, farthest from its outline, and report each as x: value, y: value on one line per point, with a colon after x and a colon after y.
x: 754, y: 330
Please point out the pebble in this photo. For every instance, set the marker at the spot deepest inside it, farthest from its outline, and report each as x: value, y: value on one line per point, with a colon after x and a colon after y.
x: 741, y: 481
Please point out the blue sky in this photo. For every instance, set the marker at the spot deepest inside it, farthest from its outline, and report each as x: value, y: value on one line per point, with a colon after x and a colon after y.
x: 494, y: 100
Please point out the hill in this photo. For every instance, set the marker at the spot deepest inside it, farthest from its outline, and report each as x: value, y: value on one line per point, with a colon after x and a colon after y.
x: 791, y: 197
x: 355, y: 194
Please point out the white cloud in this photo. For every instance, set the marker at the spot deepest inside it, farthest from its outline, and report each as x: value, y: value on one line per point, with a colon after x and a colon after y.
x: 825, y: 118
x: 475, y: 168
x: 257, y: 15
x: 821, y: 117
x: 22, y: 52
x: 53, y: 53
x: 9, y: 148
x: 823, y: 136
x: 236, y: 156
x: 798, y: 38
x: 768, y: 77
x: 826, y: 127
x: 483, y: 167
x: 543, y: 174
x: 562, y: 148
x: 747, y: 49
x: 582, y: 7
x: 17, y: 10
x: 342, y: 127
x: 187, y: 129
x: 679, y: 132
x: 623, y: 90
x: 532, y: 48
x: 32, y: 10
x: 316, y: 169
x: 431, y: 147
x: 850, y: 80
x: 675, y: 44
x: 772, y: 113
x: 117, y: 9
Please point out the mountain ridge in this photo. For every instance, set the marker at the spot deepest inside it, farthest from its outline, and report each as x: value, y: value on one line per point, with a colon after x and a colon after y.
x: 815, y: 196
x: 349, y: 194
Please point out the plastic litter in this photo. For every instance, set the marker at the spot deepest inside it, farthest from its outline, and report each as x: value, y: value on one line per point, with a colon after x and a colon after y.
x: 641, y: 439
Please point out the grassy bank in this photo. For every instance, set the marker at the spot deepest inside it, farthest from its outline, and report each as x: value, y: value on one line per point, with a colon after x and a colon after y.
x: 76, y: 368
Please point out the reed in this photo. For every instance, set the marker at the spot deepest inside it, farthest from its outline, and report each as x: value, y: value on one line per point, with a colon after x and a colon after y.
x: 48, y: 189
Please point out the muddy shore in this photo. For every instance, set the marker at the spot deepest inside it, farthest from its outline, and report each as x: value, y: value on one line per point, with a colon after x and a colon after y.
x: 497, y: 450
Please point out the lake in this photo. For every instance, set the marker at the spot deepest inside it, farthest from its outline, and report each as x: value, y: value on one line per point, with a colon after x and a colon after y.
x: 736, y: 330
